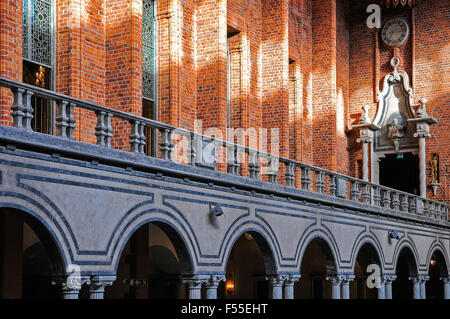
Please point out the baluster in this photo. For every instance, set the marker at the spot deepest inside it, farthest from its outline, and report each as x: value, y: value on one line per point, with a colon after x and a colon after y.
x: 320, y: 185
x: 18, y: 108
x: 290, y: 174
x: 404, y: 204
x: 395, y: 201
x: 273, y: 170
x: 333, y: 185
x: 387, y: 199
x: 444, y: 212
x: 28, y: 109
x: 62, y: 119
x: 135, y: 137
x: 376, y: 196
x: 109, y: 130
x: 232, y: 159
x: 438, y: 211
x: 101, y: 129
x: 193, y: 148
x: 424, y: 207
x: 354, y: 193
x: 433, y: 209
x: 306, y: 180
x: 143, y: 138
x: 71, y: 127
x: 412, y: 205
x: 166, y: 145
x: 365, y: 193
x: 253, y: 165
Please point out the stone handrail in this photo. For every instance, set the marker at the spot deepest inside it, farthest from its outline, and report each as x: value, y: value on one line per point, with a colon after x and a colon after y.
x: 240, y: 160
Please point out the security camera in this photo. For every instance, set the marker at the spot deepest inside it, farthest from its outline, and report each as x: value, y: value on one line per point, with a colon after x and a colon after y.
x: 394, y: 234
x: 216, y: 210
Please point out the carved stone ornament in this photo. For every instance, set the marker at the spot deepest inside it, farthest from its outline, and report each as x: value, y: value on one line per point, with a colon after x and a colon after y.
x: 395, y: 108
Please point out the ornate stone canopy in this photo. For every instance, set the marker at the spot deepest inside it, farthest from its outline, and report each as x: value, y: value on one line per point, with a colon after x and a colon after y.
x: 395, y: 108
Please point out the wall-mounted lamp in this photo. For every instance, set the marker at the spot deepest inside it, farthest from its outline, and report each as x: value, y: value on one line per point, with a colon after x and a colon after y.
x: 229, y: 286
x: 394, y: 234
x: 216, y: 210
x: 433, y: 262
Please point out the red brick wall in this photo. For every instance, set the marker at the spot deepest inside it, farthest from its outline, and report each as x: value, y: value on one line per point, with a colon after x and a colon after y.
x: 432, y: 81
x: 324, y: 83
x: 10, y: 52
x: 212, y: 64
x: 275, y: 70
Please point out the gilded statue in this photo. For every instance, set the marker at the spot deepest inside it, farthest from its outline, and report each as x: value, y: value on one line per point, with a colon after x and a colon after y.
x: 434, y: 168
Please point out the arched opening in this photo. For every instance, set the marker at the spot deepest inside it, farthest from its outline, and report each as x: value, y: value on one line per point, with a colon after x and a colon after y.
x: 437, y: 270
x: 317, y: 263
x: 402, y: 287
x: 359, y: 289
x: 151, y: 264
x: 29, y: 258
x: 249, y: 262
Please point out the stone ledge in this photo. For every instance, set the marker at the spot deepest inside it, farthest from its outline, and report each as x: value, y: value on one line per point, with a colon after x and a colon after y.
x: 49, y: 144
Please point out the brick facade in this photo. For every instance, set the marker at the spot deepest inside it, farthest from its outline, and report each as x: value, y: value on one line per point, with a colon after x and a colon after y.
x: 304, y: 67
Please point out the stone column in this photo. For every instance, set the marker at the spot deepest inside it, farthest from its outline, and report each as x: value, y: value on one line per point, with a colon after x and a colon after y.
x: 98, y: 284
x: 345, y: 288
x: 446, y: 283
x: 212, y: 284
x: 381, y: 291
x: 276, y: 282
x: 71, y: 285
x: 423, y: 122
x: 423, y: 281
x: 335, y: 286
x: 289, y: 286
x: 194, y: 284
x: 416, y: 287
x: 388, y: 279
x: 366, y: 133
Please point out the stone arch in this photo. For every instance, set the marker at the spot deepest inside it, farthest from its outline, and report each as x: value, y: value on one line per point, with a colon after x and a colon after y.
x: 174, y: 230
x: 406, y: 246
x: 327, y: 246
x: 48, y: 235
x: 406, y: 268
x: 264, y: 242
x: 373, y: 245
x: 438, y: 249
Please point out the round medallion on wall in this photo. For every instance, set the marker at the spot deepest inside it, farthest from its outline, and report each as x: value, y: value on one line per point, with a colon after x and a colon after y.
x: 395, y: 32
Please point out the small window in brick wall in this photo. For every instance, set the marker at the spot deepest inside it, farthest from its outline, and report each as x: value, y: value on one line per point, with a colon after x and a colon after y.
x: 38, y: 62
x: 149, y: 75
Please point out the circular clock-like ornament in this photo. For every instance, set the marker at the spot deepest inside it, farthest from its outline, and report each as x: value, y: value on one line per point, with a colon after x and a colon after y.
x: 395, y: 32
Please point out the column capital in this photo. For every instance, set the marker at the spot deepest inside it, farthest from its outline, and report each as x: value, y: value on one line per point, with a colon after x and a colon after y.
x: 445, y: 280
x: 336, y: 279
x: 388, y: 278
x: 214, y: 280
x: 291, y: 279
x: 347, y: 278
x: 366, y: 132
x: 98, y: 283
x: 419, y: 279
x: 423, y: 126
x: 71, y: 285
x: 195, y: 281
x: 276, y: 280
